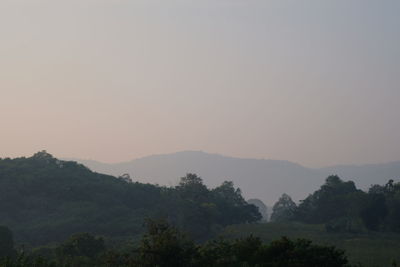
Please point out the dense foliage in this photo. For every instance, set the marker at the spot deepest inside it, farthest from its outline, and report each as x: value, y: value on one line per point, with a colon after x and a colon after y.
x: 343, y: 207
x: 43, y: 200
x: 284, y: 209
x: 370, y: 248
x: 164, y: 245
x: 6, y: 243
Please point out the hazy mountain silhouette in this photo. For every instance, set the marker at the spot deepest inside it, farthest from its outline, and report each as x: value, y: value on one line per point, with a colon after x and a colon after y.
x: 258, y: 178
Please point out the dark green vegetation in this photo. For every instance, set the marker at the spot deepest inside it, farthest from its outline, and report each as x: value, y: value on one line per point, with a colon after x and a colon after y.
x: 264, y: 179
x: 261, y: 207
x: 365, y: 224
x: 369, y: 249
x: 6, y: 243
x: 44, y: 200
x: 344, y: 208
x: 166, y: 246
x: 47, y: 202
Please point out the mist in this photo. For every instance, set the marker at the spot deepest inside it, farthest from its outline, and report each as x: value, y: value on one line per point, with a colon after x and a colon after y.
x: 315, y: 83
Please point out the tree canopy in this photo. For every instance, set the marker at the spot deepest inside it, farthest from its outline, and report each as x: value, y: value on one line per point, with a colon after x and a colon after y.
x: 343, y: 207
x: 43, y: 199
x: 164, y: 245
x: 283, y: 209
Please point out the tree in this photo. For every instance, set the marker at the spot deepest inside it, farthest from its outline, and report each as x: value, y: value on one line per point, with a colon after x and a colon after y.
x: 233, y: 207
x: 163, y: 245
x: 231, y: 195
x: 203, y: 212
x: 283, y: 209
x: 262, y: 208
x: 191, y: 187
x: 251, y: 251
x: 302, y: 253
x: 81, y: 250
x: 6, y: 243
x: 328, y: 203
x: 374, y: 211
x: 392, y: 220
x: 125, y: 177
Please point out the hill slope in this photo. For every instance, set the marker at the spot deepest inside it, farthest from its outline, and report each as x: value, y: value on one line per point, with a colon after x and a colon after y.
x: 43, y: 199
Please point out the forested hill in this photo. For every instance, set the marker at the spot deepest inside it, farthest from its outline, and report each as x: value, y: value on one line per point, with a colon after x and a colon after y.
x: 258, y: 178
x: 43, y: 199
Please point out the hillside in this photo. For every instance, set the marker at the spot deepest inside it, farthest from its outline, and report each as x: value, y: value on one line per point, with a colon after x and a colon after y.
x: 43, y: 199
x: 258, y: 178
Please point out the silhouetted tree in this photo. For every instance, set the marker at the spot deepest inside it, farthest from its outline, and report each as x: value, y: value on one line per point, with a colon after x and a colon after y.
x: 164, y: 245
x: 283, y: 209
x: 328, y: 203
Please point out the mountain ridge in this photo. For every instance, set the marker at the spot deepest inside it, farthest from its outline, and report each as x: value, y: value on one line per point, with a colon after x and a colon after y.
x: 265, y: 179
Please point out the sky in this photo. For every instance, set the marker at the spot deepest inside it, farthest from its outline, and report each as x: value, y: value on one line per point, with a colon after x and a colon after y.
x: 313, y: 82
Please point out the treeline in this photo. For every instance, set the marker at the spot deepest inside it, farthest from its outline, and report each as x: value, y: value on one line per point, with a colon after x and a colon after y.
x: 44, y: 200
x: 165, y: 246
x: 342, y: 207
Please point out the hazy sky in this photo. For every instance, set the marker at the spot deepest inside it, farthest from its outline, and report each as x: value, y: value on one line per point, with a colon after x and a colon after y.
x: 314, y: 82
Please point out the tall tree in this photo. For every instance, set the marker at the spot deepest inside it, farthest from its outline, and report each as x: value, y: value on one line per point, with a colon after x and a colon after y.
x: 163, y: 245
x: 283, y: 209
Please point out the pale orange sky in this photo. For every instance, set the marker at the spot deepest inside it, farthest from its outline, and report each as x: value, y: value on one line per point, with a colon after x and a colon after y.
x: 313, y: 82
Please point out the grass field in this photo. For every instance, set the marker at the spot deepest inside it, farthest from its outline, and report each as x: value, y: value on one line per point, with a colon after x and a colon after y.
x: 369, y: 249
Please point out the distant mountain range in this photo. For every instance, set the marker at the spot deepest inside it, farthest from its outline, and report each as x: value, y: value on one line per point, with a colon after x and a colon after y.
x: 258, y: 178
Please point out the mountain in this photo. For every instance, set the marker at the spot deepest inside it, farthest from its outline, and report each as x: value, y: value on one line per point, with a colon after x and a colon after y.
x: 258, y: 178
